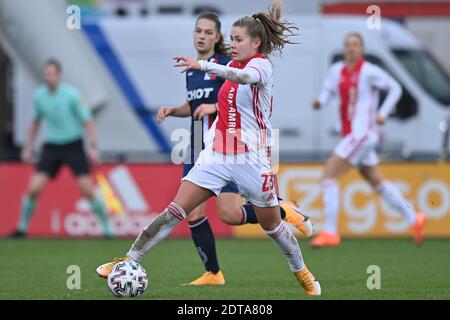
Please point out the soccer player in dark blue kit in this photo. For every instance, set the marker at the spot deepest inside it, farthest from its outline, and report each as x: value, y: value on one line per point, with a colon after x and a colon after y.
x: 201, y: 106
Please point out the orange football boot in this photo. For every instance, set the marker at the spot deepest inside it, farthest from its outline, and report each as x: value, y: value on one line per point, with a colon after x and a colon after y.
x: 308, y: 282
x: 208, y: 278
x: 326, y: 240
x: 418, y: 228
x: 104, y: 270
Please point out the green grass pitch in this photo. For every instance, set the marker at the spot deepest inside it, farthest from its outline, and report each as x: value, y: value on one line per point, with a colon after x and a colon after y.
x: 254, y: 269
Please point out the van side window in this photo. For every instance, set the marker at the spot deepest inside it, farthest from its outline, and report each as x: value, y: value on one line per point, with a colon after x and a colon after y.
x: 407, y: 106
x: 427, y: 72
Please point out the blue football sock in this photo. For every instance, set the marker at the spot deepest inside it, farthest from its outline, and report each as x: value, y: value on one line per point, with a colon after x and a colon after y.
x: 205, y: 243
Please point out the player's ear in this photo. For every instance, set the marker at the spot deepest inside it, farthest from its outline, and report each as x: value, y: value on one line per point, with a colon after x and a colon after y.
x: 217, y: 38
x: 256, y: 43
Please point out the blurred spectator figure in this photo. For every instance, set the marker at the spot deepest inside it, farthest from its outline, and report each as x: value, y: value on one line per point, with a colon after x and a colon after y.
x: 60, y: 106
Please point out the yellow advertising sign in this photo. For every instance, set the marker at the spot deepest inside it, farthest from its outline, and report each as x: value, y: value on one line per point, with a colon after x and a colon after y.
x: 362, y: 212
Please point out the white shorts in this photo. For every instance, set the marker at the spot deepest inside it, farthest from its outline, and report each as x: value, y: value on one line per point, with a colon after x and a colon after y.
x: 250, y: 171
x: 359, y: 151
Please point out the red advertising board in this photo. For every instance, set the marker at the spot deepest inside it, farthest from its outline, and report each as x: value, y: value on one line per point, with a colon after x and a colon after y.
x: 142, y: 191
x: 136, y: 193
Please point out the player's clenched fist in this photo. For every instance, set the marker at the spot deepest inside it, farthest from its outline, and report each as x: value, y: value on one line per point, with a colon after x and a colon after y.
x: 380, y: 120
x: 316, y: 104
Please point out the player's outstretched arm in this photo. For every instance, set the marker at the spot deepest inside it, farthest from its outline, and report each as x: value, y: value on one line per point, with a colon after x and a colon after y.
x: 248, y: 75
x: 182, y: 111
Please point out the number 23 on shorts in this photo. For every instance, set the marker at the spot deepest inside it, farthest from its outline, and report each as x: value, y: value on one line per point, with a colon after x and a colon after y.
x: 268, y: 182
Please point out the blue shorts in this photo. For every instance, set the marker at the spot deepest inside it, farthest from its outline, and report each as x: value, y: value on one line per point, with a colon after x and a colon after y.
x: 230, y: 187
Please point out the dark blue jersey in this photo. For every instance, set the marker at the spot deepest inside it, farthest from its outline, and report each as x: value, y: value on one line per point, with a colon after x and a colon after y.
x: 202, y: 88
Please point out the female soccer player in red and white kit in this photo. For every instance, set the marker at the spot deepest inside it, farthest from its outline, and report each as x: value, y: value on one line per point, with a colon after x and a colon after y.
x: 209, y: 44
x: 357, y: 83
x: 240, y: 150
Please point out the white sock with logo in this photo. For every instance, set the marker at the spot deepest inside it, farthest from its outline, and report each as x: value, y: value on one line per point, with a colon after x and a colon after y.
x: 157, y: 231
x: 390, y: 193
x: 288, y: 244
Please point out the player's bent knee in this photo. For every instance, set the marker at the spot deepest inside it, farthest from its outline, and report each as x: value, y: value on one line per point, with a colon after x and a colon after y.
x: 34, y: 191
x: 329, y: 173
x: 88, y: 193
x: 32, y: 194
x: 378, y: 187
x: 375, y: 185
x: 268, y: 217
x: 375, y: 182
x: 269, y: 226
x: 195, y: 214
x: 230, y: 216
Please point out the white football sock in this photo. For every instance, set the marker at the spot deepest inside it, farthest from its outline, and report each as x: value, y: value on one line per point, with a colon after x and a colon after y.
x: 157, y: 231
x: 330, y: 189
x: 390, y: 193
x: 288, y: 244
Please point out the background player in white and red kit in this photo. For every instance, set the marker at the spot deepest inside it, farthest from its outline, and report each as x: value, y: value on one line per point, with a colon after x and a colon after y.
x: 237, y: 155
x: 357, y: 83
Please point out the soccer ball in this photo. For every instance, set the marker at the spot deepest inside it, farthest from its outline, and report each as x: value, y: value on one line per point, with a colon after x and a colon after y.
x: 127, y: 279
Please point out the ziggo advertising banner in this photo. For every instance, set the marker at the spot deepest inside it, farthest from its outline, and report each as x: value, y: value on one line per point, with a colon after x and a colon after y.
x: 135, y: 194
x: 362, y: 212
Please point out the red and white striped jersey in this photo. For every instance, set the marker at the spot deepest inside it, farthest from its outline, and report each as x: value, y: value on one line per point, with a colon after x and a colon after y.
x: 245, y: 105
x: 358, y: 90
